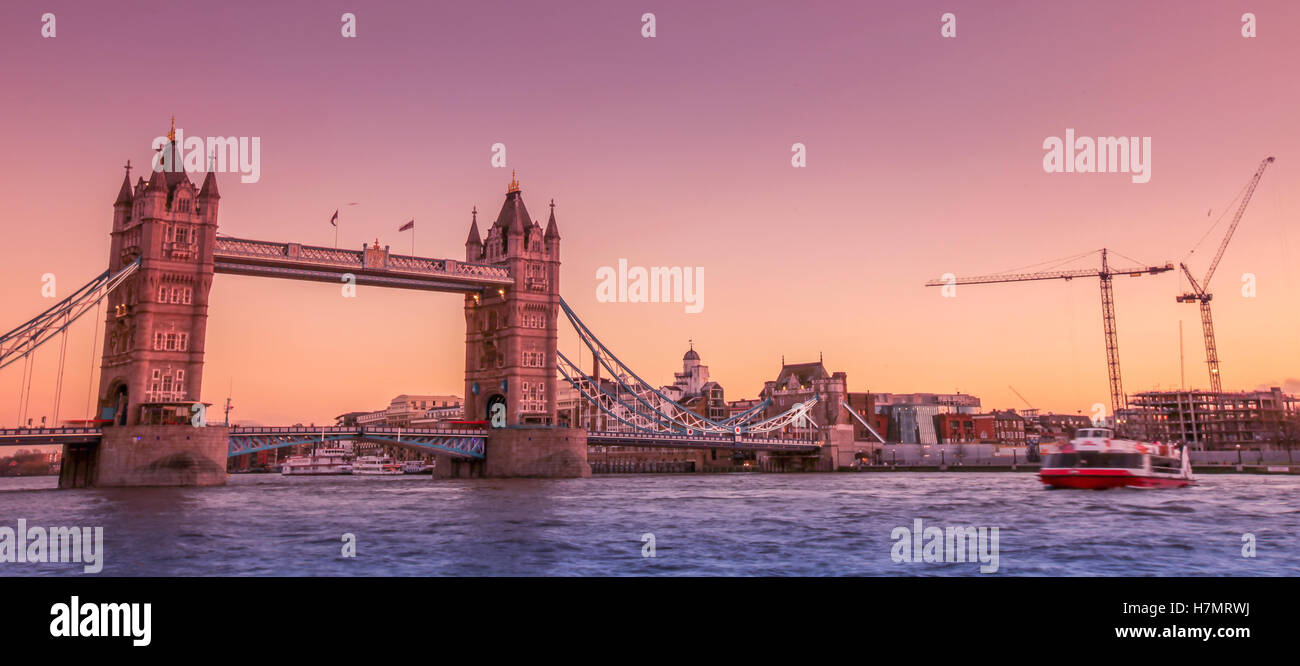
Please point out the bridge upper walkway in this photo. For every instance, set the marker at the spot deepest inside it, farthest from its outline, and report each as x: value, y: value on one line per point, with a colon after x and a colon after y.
x: 371, y: 266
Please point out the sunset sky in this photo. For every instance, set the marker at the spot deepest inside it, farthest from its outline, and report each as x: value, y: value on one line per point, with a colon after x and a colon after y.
x: 924, y: 157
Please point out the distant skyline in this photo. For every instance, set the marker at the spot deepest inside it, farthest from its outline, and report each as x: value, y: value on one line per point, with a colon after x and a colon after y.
x: 924, y: 157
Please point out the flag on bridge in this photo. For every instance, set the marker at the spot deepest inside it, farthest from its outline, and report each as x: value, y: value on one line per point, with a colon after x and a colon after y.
x: 334, y: 221
x: 408, y: 225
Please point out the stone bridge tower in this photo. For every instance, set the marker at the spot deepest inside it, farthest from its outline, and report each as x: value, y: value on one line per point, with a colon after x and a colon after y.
x: 510, y: 333
x: 156, y: 324
x: 154, y: 336
x: 510, y: 345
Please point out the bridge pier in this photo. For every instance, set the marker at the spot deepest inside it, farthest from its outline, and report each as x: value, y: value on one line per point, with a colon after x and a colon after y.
x: 545, y: 452
x: 149, y: 455
x: 78, y: 468
x: 782, y: 463
x: 838, y: 450
x: 447, y: 467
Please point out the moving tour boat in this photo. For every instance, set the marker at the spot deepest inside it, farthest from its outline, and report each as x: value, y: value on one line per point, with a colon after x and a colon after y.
x: 376, y: 466
x: 324, y: 460
x: 1095, y: 460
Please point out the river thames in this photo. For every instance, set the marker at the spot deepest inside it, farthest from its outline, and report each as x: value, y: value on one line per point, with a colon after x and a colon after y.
x: 714, y: 525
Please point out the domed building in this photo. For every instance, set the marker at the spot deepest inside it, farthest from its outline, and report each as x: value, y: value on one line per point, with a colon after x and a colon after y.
x: 693, y: 376
x: 695, y: 391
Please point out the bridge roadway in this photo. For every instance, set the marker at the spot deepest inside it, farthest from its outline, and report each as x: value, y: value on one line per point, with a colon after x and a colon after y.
x: 461, y: 443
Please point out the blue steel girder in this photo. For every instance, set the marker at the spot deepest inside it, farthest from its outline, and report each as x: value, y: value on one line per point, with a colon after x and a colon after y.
x: 465, y: 447
x: 458, y: 443
x: 244, y: 444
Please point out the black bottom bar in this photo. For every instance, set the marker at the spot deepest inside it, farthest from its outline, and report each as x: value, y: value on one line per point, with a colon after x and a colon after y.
x: 310, y: 616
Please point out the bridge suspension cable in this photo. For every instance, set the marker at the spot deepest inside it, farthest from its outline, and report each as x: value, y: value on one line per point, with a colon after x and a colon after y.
x: 90, y: 372
x: 638, y: 404
x: 58, y: 381
x: 22, y: 341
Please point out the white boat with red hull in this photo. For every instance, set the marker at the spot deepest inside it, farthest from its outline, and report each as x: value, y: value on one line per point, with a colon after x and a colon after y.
x: 1095, y: 459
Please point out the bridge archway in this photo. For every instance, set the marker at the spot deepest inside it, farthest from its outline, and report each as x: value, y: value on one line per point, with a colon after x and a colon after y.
x: 492, y: 401
x: 121, y: 404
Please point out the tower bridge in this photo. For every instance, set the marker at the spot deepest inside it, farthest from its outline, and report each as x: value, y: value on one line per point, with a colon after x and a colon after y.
x: 165, y: 250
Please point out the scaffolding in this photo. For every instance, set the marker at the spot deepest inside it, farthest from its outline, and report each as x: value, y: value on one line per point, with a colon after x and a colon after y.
x: 1217, y: 421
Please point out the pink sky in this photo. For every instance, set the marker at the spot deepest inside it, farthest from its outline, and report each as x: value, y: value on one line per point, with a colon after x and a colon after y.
x: 924, y: 157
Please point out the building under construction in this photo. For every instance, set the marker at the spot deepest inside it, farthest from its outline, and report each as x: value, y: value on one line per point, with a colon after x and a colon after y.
x: 1216, y: 421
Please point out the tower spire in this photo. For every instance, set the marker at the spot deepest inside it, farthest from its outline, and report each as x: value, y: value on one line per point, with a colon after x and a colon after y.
x: 474, y: 242
x: 209, y: 189
x: 552, y: 229
x: 171, y: 133
x: 514, y: 183
x: 124, y: 195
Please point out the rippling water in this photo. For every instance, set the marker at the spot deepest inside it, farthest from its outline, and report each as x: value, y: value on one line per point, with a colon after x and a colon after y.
x: 743, y: 524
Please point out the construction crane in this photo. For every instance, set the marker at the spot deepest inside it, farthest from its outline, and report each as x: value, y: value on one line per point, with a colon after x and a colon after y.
x: 1201, y: 291
x: 1105, y: 273
x: 1032, y: 411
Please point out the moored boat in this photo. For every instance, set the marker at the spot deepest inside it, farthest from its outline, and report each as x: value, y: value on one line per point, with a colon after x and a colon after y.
x: 1095, y: 459
x: 376, y: 466
x: 322, y: 461
x: 416, y: 467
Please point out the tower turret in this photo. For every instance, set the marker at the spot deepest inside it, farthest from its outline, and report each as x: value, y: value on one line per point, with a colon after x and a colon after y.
x: 209, y: 199
x: 473, y: 243
x: 552, y: 228
x: 125, y: 200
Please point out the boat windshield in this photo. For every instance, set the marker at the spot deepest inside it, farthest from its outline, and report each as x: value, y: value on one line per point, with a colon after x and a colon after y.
x: 1094, y: 459
x: 1094, y: 432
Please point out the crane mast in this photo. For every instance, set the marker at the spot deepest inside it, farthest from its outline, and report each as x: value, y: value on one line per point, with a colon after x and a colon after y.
x: 1112, y: 341
x: 1201, y: 291
x: 1031, y: 410
x: 1105, y: 275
